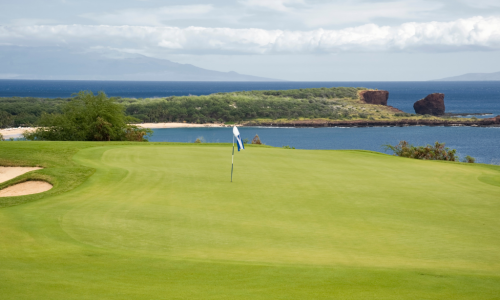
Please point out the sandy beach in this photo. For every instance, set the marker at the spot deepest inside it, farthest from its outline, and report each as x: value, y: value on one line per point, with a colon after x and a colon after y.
x: 177, y: 125
x: 14, y: 132
x: 17, y: 132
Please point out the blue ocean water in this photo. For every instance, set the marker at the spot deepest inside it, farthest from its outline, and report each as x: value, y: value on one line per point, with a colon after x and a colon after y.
x: 460, y: 97
x: 483, y: 143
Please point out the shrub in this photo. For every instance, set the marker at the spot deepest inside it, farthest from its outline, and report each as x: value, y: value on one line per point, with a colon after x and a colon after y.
x: 89, y: 117
x: 287, y: 147
x: 436, y: 152
x: 256, y: 140
x: 198, y: 141
x: 469, y: 159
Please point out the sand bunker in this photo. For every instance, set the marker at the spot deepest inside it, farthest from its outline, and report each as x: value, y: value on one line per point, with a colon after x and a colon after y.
x: 7, y: 173
x: 25, y: 188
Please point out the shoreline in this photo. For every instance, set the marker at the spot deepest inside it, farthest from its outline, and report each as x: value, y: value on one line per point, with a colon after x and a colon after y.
x: 178, y: 125
x: 14, y: 132
x: 489, y: 122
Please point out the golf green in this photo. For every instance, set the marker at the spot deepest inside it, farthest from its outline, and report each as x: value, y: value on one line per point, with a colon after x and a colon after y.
x: 163, y: 221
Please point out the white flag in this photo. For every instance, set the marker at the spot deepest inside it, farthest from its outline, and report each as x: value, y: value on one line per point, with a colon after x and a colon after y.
x: 238, y: 138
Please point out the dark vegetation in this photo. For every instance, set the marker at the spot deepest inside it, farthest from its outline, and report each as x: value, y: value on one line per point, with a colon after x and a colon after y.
x: 220, y: 107
x: 241, y: 106
x: 438, y: 151
x: 88, y: 117
x: 26, y: 111
x: 256, y: 140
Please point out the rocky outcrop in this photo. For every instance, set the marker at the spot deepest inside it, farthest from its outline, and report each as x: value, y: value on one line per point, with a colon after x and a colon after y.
x: 374, y: 97
x: 433, y: 104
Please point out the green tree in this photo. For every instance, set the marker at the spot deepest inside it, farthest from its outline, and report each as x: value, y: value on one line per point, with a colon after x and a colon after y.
x: 89, y: 117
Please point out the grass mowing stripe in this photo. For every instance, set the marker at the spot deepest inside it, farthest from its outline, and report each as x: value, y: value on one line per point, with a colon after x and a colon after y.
x: 164, y: 222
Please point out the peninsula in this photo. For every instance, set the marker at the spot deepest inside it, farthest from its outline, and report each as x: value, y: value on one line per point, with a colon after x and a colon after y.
x: 315, y: 107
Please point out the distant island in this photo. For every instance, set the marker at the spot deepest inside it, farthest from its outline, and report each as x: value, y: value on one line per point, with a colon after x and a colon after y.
x: 473, y: 77
x: 314, y: 107
x: 51, y: 63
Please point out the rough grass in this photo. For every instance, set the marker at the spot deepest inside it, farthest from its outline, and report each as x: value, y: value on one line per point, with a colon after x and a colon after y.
x: 162, y: 221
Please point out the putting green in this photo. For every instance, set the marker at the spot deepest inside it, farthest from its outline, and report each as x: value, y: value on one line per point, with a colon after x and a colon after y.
x: 164, y: 222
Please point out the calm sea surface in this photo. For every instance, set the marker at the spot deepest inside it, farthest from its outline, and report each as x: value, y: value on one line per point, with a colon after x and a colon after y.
x: 481, y: 143
x: 460, y: 97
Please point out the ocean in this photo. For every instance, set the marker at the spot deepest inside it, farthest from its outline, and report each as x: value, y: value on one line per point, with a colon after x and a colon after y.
x: 460, y: 97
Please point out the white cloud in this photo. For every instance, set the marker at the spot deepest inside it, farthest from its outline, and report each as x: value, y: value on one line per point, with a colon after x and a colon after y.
x: 314, y: 14
x: 155, y: 17
x: 463, y: 34
x: 278, y: 5
x: 482, y: 3
x: 355, y: 11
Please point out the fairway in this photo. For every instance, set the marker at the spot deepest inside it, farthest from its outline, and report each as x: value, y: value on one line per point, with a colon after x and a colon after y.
x: 163, y: 221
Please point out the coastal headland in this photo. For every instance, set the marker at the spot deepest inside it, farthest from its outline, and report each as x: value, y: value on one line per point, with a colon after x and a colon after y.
x: 314, y: 107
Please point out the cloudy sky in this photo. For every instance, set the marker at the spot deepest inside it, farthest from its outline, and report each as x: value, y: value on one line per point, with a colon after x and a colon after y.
x: 316, y: 40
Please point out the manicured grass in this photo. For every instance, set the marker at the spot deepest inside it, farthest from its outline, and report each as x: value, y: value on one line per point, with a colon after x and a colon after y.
x: 162, y: 221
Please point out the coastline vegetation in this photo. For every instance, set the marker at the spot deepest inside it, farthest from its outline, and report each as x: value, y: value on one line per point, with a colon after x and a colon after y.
x: 438, y: 151
x: 88, y: 117
x: 338, y: 103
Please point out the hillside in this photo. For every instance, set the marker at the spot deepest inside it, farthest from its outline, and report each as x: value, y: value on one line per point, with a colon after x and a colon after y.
x: 337, y: 106
x: 55, y: 64
x: 163, y: 221
x: 338, y: 103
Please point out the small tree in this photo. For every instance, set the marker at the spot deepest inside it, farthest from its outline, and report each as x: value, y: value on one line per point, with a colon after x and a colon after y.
x: 469, y: 159
x: 256, y: 140
x: 89, y: 117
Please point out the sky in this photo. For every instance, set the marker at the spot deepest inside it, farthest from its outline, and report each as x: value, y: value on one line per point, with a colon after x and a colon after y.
x: 304, y: 40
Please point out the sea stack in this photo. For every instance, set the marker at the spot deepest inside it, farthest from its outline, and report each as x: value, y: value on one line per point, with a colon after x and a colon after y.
x: 374, y: 97
x: 432, y: 104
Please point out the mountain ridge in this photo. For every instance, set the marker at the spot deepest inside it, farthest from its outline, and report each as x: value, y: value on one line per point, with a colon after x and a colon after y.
x: 56, y: 64
x: 473, y: 77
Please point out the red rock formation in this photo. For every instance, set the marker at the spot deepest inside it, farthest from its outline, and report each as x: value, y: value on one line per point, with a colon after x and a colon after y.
x: 433, y: 104
x: 374, y: 97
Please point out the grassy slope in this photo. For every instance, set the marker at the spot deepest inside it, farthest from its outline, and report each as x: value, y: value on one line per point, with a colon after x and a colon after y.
x: 163, y: 222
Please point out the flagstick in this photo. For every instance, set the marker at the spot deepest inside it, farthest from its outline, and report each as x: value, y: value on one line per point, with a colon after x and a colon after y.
x: 232, y: 161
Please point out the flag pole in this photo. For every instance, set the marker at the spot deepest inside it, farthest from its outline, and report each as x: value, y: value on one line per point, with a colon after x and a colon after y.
x: 232, y: 161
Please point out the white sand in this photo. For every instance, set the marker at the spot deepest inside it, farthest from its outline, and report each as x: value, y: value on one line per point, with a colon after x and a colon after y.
x: 17, y: 132
x: 14, y: 132
x: 7, y: 173
x: 177, y: 125
x: 25, y: 188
